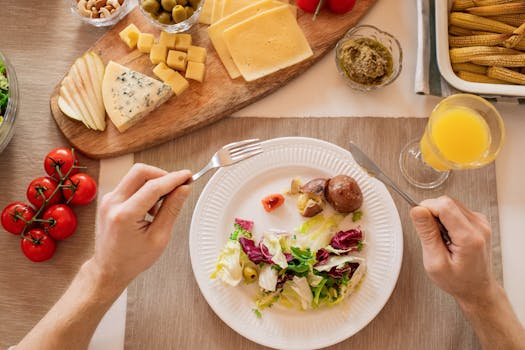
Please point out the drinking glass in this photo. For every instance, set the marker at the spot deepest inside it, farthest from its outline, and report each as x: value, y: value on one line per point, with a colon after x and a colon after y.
x: 464, y: 131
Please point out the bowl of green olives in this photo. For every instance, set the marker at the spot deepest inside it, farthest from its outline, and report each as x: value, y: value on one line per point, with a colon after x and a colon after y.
x: 172, y: 16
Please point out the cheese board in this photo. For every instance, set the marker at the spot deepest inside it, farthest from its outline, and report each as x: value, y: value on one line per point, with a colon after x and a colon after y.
x: 203, y: 103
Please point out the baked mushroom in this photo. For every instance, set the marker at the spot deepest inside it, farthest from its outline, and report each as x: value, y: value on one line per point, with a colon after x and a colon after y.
x: 344, y: 194
x: 311, y: 197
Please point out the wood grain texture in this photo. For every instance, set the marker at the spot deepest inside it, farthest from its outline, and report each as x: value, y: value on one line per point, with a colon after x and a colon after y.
x: 167, y: 311
x: 202, y: 104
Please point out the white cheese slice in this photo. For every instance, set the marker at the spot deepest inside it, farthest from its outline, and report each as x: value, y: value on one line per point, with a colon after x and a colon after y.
x: 129, y: 95
x: 216, y: 31
x: 266, y: 43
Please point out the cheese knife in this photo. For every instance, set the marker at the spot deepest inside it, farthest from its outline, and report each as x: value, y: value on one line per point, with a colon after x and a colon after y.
x: 373, y: 170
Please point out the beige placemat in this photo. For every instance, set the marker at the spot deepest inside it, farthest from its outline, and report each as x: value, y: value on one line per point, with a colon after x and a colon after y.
x: 167, y: 311
x: 41, y: 48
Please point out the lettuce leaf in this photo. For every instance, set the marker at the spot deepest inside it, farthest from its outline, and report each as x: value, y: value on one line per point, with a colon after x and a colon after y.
x: 229, y: 268
x: 337, y: 261
x: 268, y: 278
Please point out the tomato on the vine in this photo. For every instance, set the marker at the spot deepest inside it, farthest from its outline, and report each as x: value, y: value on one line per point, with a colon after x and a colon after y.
x: 79, y: 189
x: 62, y: 158
x: 62, y: 221
x: 15, y: 216
x: 41, y: 189
x: 341, y: 6
x: 309, y: 6
x: 37, y: 246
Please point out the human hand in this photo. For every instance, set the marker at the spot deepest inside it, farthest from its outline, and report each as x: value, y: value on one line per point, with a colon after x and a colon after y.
x: 464, y: 269
x: 126, y: 244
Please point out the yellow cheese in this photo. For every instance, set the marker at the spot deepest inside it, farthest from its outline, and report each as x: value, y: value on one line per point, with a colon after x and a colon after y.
x: 216, y: 30
x: 176, y: 60
x: 266, y: 43
x: 158, y: 54
x: 178, y: 83
x: 129, y: 95
x: 145, y: 42
x: 231, y: 6
x: 168, y: 39
x: 207, y: 8
x: 196, y: 54
x: 216, y: 12
x: 163, y: 72
x: 130, y: 35
x: 195, y: 71
x: 183, y: 42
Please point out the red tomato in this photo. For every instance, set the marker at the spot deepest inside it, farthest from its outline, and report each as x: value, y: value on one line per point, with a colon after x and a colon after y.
x: 341, y: 6
x: 37, y: 246
x: 309, y: 6
x: 15, y: 215
x: 60, y: 158
x: 41, y: 189
x: 272, y: 202
x: 79, y: 189
x: 62, y: 221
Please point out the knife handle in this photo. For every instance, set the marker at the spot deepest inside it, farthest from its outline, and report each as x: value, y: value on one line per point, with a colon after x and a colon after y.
x: 444, y: 232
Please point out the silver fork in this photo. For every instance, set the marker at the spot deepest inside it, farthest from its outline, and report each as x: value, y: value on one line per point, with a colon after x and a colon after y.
x: 230, y: 154
x: 227, y: 155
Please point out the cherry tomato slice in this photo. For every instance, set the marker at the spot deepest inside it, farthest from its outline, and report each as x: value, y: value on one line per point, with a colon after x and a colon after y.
x: 79, y: 189
x: 62, y: 158
x: 37, y: 246
x: 272, y: 202
x: 15, y: 215
x: 41, y: 189
x: 63, y: 221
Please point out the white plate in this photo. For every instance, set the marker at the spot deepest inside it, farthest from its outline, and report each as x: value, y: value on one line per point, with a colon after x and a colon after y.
x: 237, y: 191
x: 445, y: 68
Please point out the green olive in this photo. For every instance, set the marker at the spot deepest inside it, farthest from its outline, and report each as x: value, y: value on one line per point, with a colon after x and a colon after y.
x: 168, y: 5
x: 151, y: 6
x: 164, y: 18
x: 195, y: 3
x: 179, y: 14
x: 189, y: 11
x: 250, y: 274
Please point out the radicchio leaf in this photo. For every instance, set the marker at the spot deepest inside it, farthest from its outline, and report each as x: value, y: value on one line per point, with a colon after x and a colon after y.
x: 245, y: 224
x: 321, y: 256
x: 256, y: 254
x: 346, y: 239
x: 338, y: 272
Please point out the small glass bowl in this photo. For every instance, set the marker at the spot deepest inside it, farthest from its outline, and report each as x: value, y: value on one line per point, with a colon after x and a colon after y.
x: 176, y: 27
x: 122, y: 11
x: 7, y: 127
x: 385, y: 39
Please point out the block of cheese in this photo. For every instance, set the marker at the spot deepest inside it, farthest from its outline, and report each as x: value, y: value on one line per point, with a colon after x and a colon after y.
x: 129, y: 96
x: 195, y: 71
x: 216, y: 31
x: 164, y: 72
x: 207, y: 8
x: 197, y: 54
x: 130, y: 35
x: 145, y: 42
x: 167, y: 39
x: 266, y: 43
x: 183, y: 42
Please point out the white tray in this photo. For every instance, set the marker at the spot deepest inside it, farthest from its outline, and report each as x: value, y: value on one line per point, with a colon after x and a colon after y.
x: 443, y: 60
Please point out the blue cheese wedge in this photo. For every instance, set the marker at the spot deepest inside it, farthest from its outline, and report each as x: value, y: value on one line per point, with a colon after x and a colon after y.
x: 129, y: 96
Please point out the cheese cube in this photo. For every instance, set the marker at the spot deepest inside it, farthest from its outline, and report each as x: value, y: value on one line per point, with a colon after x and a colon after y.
x: 177, y: 60
x: 196, y: 54
x: 163, y: 72
x: 178, y: 83
x: 158, y: 53
x: 145, y: 42
x: 183, y: 42
x: 195, y: 71
x: 168, y: 39
x: 130, y: 35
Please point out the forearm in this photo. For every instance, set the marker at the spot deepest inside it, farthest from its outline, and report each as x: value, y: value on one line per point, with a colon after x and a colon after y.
x: 494, y: 321
x: 71, y: 322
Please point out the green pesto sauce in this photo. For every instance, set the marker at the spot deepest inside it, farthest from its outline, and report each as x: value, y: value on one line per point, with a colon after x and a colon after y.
x: 366, y: 61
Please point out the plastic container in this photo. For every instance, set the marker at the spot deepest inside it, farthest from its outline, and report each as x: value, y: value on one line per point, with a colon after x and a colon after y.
x: 7, y: 127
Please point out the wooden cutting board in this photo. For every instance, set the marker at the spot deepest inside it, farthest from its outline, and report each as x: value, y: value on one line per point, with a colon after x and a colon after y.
x: 203, y: 103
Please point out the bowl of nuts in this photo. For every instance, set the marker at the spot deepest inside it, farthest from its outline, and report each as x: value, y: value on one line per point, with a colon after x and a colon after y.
x: 172, y: 16
x: 101, y: 13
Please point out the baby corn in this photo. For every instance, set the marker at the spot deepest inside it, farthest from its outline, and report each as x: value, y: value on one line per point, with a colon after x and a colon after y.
x: 479, y: 78
x: 460, y: 5
x: 516, y: 37
x: 469, y: 67
x: 500, y: 60
x: 491, y: 2
x: 505, y: 74
x: 513, y: 20
x: 455, y: 30
x: 466, y: 54
x: 473, y: 22
x: 496, y: 10
x: 477, y: 40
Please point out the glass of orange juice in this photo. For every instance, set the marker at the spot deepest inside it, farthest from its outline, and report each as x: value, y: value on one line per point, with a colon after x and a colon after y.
x: 464, y: 131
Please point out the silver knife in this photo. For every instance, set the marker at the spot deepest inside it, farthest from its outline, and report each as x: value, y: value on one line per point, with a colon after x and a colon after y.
x: 373, y: 170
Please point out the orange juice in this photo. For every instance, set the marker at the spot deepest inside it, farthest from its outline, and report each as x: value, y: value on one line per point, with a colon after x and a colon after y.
x: 460, y: 135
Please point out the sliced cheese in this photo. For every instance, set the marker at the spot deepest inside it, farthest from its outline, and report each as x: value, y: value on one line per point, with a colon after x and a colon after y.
x: 216, y: 32
x: 216, y: 12
x: 231, y: 6
x: 266, y: 43
x: 207, y: 8
x: 96, y: 70
x: 94, y: 90
x: 71, y: 89
x: 129, y: 96
x: 85, y: 91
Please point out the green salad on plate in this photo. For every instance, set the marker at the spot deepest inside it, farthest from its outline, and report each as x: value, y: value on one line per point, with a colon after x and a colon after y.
x: 4, y: 90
